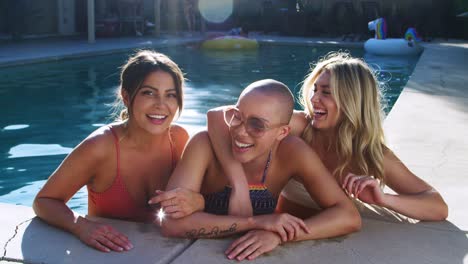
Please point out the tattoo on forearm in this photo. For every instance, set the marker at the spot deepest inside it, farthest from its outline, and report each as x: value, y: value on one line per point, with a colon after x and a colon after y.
x: 215, y: 232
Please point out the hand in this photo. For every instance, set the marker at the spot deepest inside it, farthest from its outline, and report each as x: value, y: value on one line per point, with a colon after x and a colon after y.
x: 285, y: 225
x: 252, y: 245
x: 364, y: 188
x: 179, y: 202
x: 102, y: 237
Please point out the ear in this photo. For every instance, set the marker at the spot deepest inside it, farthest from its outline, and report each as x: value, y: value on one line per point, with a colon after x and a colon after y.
x: 125, y: 97
x: 284, y: 132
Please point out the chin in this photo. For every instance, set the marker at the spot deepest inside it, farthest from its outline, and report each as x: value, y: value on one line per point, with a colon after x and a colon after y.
x: 240, y: 157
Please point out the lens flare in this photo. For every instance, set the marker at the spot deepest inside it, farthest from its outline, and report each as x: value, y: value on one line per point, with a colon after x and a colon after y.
x: 215, y: 11
x: 161, y: 215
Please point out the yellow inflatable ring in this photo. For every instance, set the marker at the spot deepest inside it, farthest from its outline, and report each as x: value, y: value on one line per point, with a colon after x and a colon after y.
x: 230, y: 43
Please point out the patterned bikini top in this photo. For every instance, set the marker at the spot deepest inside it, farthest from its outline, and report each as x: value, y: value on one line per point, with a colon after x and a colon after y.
x: 263, y: 202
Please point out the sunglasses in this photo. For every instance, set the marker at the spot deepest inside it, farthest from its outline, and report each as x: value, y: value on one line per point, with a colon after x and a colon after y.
x: 254, y: 126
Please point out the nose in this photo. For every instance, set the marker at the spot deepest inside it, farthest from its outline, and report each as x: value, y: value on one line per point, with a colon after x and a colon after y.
x: 240, y: 129
x: 158, y: 101
x: 315, y: 98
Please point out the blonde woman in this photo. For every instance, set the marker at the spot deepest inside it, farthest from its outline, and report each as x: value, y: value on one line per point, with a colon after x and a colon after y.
x: 343, y: 124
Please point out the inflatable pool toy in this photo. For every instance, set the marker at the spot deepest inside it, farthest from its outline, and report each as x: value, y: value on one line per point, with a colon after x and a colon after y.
x: 392, y: 46
x: 230, y: 43
x: 380, y: 45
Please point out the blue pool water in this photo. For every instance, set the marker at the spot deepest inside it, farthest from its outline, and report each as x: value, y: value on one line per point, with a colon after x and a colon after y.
x: 50, y: 107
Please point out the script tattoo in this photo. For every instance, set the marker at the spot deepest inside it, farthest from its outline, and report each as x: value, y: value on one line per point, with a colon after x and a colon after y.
x: 214, y: 232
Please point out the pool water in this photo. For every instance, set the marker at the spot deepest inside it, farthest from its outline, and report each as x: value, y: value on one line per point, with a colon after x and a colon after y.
x: 50, y: 107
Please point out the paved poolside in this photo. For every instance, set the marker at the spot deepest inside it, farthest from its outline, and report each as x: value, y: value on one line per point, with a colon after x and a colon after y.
x: 426, y: 128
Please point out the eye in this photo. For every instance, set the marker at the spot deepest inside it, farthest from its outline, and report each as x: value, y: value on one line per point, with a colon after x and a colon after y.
x: 172, y: 95
x: 147, y: 92
x: 256, y: 124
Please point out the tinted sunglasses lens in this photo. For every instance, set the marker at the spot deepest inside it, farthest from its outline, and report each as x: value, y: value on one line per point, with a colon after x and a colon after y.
x: 255, y: 127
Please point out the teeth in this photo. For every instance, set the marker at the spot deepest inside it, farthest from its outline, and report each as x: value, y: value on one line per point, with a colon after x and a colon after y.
x: 157, y: 116
x: 242, y: 145
x: 320, y: 112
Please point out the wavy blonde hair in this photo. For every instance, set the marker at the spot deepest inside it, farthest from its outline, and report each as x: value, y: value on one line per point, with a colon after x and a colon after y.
x: 360, y: 138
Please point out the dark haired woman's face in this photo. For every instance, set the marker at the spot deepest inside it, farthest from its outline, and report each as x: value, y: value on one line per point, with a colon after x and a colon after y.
x: 155, y: 103
x: 325, y: 111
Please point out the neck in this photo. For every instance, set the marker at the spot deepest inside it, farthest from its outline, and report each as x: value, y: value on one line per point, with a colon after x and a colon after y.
x: 140, y: 137
x: 326, y: 139
x: 255, y: 168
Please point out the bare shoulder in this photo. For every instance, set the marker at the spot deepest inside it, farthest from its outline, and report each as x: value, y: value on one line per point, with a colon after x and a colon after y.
x: 98, y: 143
x: 178, y: 131
x: 180, y: 137
x: 298, y: 122
x: 294, y: 148
x: 200, y: 140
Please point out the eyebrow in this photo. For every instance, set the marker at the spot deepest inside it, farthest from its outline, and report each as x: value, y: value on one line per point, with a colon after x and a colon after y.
x: 256, y: 117
x: 154, y: 88
x: 327, y: 86
x: 260, y: 118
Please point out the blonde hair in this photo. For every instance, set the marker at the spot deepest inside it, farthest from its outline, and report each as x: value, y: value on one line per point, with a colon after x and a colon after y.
x: 360, y: 141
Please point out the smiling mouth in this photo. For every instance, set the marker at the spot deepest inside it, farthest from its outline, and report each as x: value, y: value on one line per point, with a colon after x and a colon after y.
x: 319, y: 113
x: 157, y: 117
x: 241, y: 145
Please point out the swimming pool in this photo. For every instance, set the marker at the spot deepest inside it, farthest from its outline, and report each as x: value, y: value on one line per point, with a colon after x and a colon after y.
x: 53, y: 106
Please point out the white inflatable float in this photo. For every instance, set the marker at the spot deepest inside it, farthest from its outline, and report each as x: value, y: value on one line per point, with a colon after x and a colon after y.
x: 380, y: 45
x: 392, y: 46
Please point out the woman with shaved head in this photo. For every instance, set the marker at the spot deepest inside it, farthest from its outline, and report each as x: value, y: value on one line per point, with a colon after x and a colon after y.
x: 258, y: 129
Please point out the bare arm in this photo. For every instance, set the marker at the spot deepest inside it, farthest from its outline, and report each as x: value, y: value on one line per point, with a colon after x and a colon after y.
x: 239, y: 200
x: 338, y: 215
x: 416, y: 198
x: 189, y: 174
x: 298, y: 123
x: 76, y: 171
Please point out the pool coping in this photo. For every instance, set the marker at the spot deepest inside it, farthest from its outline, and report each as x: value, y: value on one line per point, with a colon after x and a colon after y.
x: 439, y: 79
x: 81, y: 49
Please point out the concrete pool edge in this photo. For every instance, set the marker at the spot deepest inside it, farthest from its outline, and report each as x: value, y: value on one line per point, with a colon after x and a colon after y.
x: 17, y: 54
x: 424, y: 128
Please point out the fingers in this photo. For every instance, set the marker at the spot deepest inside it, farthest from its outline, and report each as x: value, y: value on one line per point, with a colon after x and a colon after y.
x: 236, y: 243
x: 169, y: 202
x: 242, y: 247
x: 346, y: 179
x: 303, y: 226
x: 177, y: 215
x: 95, y: 244
x: 254, y: 246
x: 365, y: 183
x: 256, y: 253
x: 119, y: 240
x: 350, y: 183
x: 104, y: 238
x: 162, y: 196
x: 290, y: 231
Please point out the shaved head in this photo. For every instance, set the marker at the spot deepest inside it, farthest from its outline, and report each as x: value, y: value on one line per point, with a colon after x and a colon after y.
x: 279, y: 91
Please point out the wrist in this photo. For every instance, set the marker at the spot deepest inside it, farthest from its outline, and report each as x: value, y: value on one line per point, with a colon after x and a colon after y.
x: 252, y: 222
x: 78, y: 225
x: 201, y: 203
x: 278, y: 238
x: 387, y: 200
